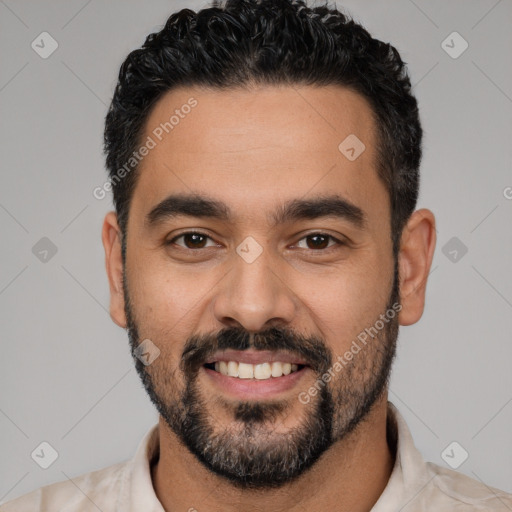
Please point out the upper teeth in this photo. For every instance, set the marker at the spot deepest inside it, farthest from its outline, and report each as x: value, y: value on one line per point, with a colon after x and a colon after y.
x: 254, y: 371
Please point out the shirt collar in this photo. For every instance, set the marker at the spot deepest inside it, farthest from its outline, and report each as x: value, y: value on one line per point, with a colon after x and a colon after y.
x: 409, y: 475
x: 138, y: 492
x: 408, y: 478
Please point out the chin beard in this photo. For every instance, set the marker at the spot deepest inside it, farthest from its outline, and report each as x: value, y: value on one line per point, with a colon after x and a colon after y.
x: 248, y: 452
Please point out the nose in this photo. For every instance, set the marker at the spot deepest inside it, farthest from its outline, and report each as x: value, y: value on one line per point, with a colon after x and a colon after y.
x: 254, y: 296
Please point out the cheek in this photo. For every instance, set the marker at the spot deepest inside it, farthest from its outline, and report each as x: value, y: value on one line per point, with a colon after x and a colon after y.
x: 160, y: 289
x: 163, y: 301
x: 347, y: 302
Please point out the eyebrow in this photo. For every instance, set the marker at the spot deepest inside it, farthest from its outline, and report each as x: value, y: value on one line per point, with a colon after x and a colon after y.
x: 191, y: 205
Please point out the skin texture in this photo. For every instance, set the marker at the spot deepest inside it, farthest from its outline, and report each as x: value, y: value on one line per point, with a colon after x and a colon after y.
x: 254, y: 150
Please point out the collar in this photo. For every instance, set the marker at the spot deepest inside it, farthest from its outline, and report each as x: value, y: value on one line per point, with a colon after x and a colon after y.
x: 408, y: 478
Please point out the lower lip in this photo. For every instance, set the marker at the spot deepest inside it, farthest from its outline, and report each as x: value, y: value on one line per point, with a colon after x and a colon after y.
x: 254, y: 388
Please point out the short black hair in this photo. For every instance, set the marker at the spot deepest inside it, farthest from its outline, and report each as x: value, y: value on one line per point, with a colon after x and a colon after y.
x: 274, y: 42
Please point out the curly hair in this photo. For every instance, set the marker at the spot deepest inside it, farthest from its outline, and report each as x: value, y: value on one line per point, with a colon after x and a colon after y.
x: 275, y: 42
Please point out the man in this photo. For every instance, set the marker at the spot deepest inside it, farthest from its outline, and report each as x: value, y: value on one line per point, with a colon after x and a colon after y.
x: 264, y: 160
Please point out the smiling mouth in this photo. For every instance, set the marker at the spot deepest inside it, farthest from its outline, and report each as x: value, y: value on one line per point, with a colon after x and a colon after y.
x: 261, y: 371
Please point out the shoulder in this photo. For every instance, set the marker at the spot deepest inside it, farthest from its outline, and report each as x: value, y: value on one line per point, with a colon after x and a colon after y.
x: 460, y: 492
x: 84, y: 493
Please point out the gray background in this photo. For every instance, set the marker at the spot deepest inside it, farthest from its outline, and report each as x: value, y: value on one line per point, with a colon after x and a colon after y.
x: 66, y: 373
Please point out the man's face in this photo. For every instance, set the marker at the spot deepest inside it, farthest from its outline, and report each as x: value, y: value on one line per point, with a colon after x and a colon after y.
x: 276, y: 270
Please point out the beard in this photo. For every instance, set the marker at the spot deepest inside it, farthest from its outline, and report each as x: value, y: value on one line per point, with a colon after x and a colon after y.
x: 249, y: 451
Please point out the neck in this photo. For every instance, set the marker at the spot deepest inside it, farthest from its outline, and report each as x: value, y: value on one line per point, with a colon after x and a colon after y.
x: 349, y: 477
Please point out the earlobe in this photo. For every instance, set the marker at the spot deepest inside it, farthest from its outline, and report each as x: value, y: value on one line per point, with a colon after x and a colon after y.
x: 415, y: 259
x: 111, y: 237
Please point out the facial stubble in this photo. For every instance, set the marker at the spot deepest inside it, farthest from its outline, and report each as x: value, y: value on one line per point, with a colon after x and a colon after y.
x: 250, y: 452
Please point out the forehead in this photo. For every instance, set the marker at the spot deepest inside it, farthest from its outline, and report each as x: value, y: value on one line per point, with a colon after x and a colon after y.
x: 260, y: 145
x: 304, y: 119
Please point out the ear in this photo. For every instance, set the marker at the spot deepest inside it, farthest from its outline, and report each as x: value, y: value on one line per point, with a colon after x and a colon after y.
x: 111, y: 237
x: 415, y: 258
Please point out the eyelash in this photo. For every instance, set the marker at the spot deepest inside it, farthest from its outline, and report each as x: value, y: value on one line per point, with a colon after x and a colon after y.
x: 316, y: 233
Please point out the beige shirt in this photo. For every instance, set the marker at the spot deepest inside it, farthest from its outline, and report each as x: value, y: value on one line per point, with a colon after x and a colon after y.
x: 414, y: 485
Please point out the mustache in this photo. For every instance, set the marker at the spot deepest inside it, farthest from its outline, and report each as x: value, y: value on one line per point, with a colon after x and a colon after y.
x: 199, y: 348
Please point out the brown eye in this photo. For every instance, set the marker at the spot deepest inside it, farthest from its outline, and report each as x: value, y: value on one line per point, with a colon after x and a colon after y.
x: 318, y: 241
x: 191, y: 240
